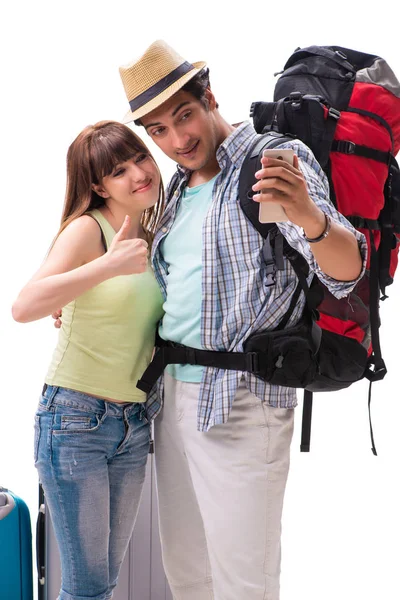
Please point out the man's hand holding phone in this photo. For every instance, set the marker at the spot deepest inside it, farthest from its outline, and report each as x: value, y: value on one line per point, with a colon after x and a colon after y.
x: 270, y: 211
x: 282, y: 191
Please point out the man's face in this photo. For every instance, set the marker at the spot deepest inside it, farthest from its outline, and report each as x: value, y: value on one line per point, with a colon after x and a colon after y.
x: 185, y: 130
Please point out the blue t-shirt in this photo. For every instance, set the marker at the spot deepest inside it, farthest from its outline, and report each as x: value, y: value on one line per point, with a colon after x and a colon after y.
x: 182, y: 251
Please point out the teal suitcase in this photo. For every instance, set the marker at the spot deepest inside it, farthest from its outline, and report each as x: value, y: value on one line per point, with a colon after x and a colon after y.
x: 16, y: 577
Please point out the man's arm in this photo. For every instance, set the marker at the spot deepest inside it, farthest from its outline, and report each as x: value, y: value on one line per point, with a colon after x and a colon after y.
x: 306, y: 201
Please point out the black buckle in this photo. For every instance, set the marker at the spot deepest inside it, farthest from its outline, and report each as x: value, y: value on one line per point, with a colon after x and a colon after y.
x: 346, y: 147
x: 376, y: 375
x: 252, y: 362
x: 191, y: 356
x: 295, y: 96
x: 334, y: 113
x: 296, y: 100
x: 380, y: 374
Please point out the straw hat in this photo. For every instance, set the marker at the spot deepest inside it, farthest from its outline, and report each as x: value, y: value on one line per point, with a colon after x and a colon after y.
x: 155, y: 77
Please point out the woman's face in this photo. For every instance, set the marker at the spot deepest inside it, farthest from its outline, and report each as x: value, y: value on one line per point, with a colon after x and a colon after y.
x: 134, y: 183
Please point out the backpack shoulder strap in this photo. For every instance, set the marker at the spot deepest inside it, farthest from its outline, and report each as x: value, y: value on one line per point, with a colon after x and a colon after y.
x: 275, y: 246
x: 250, y: 166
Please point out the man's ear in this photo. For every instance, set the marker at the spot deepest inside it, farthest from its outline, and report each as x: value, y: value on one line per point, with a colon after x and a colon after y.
x: 100, y: 191
x: 211, y: 101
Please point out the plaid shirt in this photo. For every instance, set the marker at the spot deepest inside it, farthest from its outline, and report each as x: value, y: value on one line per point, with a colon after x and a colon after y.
x: 236, y: 300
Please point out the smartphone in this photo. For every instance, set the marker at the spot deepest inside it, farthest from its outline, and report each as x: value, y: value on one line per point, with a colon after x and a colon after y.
x: 271, y: 212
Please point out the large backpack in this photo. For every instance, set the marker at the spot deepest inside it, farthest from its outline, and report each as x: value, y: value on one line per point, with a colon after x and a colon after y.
x: 345, y: 106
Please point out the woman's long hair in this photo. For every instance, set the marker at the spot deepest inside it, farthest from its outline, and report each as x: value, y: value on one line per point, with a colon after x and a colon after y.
x: 94, y: 154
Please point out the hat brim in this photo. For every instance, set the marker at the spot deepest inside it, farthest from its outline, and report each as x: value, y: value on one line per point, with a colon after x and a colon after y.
x: 164, y: 95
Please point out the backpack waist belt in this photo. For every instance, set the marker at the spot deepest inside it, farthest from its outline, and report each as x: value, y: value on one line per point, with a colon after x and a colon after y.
x: 168, y: 353
x: 286, y: 357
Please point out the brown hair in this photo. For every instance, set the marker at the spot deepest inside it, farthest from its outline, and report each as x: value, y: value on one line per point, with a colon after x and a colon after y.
x: 198, y: 85
x: 94, y: 154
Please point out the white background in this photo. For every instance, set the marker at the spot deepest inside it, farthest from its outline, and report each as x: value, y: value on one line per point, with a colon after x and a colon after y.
x: 59, y: 72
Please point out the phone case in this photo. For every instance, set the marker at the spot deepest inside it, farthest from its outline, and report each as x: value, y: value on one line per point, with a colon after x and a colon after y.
x: 273, y: 212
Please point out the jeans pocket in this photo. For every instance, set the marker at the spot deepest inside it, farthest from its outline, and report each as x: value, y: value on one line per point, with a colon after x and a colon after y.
x: 73, y: 420
x: 36, y: 438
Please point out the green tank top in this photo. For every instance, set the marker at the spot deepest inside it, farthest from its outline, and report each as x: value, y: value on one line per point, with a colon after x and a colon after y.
x: 107, y: 335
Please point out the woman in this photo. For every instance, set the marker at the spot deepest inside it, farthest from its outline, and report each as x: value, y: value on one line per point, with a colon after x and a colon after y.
x: 91, y: 432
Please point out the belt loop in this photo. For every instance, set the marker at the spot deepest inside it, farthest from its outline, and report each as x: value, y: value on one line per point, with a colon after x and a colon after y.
x: 142, y: 412
x: 48, y: 392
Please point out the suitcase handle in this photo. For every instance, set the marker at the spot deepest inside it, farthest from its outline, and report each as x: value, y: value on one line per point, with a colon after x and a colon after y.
x: 40, y: 540
x: 7, y: 503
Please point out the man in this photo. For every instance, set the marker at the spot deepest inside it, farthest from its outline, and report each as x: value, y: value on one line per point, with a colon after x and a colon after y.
x: 223, y: 437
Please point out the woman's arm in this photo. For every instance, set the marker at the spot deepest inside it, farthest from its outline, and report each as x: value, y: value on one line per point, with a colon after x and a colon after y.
x: 75, y: 264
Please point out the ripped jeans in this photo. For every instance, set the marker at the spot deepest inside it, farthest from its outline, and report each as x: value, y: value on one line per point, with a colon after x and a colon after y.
x: 91, y: 457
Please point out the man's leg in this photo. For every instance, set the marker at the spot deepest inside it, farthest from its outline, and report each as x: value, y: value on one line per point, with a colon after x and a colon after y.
x: 238, y: 472
x: 183, y: 541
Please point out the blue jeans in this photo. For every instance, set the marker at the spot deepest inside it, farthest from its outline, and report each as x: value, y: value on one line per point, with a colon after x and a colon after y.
x: 91, y: 457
